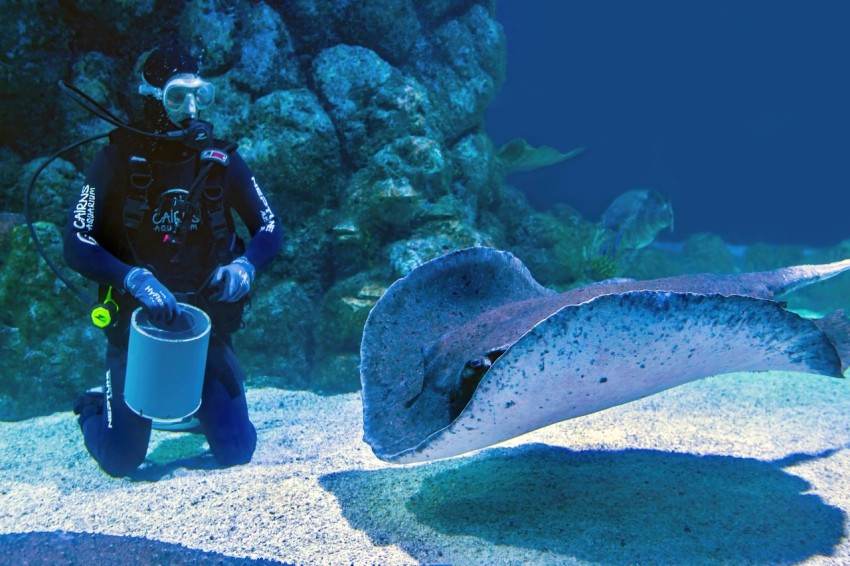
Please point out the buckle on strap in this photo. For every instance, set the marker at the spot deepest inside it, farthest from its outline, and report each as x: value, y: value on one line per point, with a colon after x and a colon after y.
x: 216, y: 155
x: 136, y: 205
x: 218, y: 223
x: 141, y: 175
x: 134, y: 212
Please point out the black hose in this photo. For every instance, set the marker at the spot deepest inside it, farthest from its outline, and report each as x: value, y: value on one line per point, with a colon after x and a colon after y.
x: 27, y: 215
x: 99, y: 111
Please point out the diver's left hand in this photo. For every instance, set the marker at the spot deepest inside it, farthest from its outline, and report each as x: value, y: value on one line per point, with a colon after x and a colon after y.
x: 233, y: 280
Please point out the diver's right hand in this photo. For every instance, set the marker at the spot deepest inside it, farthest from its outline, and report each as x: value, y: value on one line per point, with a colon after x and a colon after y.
x: 156, y: 299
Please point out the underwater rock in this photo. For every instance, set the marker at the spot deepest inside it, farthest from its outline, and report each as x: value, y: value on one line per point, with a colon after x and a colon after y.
x: 370, y: 102
x: 287, y: 309
x: 344, y: 311
x: 8, y: 222
x: 438, y: 11
x: 390, y: 27
x: 336, y: 373
x: 476, y: 172
x: 232, y: 114
x: 469, y: 350
x: 211, y: 28
x: 400, y: 186
x: 267, y: 60
x: 384, y: 205
x: 551, y: 245
x: 92, y: 16
x: 49, y: 200
x: 100, y: 77
x: 462, y: 68
x: 34, y: 42
x: 312, y: 24
x: 704, y: 252
x: 699, y: 253
x: 294, y: 148
x: 435, y: 240
x: 10, y: 173
x: 410, y: 169
x: 764, y: 256
x: 50, y: 349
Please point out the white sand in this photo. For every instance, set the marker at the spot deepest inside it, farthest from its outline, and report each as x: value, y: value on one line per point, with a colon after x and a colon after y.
x: 737, y: 469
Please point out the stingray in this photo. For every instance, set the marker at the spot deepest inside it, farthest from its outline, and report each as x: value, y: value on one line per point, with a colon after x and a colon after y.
x: 519, y: 155
x: 468, y: 350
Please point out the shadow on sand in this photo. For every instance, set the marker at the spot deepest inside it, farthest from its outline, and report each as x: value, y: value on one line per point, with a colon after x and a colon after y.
x: 182, y: 450
x: 60, y: 547
x: 640, y: 506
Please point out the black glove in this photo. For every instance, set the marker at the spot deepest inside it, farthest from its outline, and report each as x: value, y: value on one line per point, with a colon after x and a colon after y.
x: 156, y: 299
x: 233, y: 280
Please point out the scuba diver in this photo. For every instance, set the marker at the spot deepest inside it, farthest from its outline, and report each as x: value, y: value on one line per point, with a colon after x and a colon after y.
x: 153, y: 227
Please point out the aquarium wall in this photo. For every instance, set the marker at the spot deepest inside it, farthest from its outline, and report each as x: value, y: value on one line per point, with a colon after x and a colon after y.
x: 363, y: 121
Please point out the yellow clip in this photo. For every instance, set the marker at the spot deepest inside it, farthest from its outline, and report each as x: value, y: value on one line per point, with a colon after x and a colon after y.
x: 106, y: 313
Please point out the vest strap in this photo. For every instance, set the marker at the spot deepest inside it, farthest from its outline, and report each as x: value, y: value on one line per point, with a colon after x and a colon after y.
x: 141, y: 178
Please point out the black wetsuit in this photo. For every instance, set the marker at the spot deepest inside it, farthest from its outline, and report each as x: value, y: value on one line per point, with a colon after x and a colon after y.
x: 103, y: 243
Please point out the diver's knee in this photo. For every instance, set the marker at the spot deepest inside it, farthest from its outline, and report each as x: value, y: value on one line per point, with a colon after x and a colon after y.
x: 236, y: 451
x: 121, y: 465
x: 234, y: 456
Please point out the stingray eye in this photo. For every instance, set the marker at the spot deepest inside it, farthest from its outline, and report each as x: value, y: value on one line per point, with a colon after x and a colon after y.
x: 479, y: 363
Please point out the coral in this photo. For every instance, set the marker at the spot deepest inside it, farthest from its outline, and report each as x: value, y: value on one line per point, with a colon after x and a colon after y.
x: 211, y: 28
x: 371, y: 102
x: 390, y: 27
x: 283, y: 310
x: 293, y: 148
x: 53, y: 192
x: 343, y: 314
x: 267, y: 60
x: 50, y: 350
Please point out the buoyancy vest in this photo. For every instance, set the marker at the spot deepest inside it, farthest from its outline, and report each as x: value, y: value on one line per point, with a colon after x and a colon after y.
x: 181, y: 238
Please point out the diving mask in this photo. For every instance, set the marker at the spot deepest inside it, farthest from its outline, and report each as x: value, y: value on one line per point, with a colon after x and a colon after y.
x: 178, y: 90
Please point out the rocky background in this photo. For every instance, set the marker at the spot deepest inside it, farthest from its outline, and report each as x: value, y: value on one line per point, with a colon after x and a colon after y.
x: 364, y: 122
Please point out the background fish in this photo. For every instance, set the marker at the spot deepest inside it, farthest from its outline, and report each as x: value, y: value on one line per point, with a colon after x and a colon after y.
x: 631, y: 221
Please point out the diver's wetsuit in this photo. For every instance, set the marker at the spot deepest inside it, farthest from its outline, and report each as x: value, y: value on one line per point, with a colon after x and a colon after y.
x: 100, y: 245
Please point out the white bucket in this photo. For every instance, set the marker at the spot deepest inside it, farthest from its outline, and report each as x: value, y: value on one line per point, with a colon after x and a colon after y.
x: 165, y: 365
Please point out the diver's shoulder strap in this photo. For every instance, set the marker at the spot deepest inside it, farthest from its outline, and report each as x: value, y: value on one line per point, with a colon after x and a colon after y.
x: 136, y: 204
x: 139, y: 174
x: 209, y: 188
x: 212, y: 191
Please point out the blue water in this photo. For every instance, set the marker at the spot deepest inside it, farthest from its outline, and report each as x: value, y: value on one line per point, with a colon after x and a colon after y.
x: 738, y: 111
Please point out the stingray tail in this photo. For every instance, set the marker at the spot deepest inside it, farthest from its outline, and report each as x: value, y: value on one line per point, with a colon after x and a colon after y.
x: 790, y: 279
x: 837, y: 328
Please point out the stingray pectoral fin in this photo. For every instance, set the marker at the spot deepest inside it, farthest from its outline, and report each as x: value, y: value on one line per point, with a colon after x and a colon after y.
x: 837, y: 328
x: 788, y: 279
x: 519, y: 155
x: 410, y: 330
x: 621, y: 347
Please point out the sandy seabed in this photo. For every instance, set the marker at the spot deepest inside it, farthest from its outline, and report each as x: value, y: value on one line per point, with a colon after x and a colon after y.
x: 736, y: 469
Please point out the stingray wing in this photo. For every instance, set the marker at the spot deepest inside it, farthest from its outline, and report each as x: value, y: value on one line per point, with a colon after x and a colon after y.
x: 564, y: 355
x: 618, y: 348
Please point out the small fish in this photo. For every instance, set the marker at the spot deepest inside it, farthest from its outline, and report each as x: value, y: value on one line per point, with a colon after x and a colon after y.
x: 631, y: 221
x: 636, y: 217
